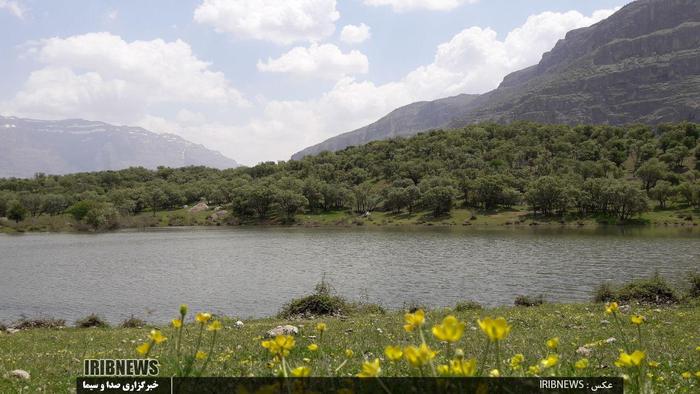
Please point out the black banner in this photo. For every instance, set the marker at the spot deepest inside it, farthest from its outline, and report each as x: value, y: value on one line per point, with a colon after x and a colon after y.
x: 350, y: 385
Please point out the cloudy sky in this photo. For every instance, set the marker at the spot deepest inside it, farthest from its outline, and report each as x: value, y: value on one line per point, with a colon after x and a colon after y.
x: 261, y: 79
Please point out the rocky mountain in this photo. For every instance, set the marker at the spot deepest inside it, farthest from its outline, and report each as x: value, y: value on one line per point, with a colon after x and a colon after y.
x: 29, y: 146
x: 642, y: 64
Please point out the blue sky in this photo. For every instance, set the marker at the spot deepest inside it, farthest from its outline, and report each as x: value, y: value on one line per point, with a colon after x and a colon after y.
x: 261, y: 79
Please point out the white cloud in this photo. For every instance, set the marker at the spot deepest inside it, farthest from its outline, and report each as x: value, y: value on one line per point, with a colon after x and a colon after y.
x: 410, y: 5
x: 101, y: 76
x: 13, y: 7
x: 324, y: 61
x: 354, y: 34
x: 282, y: 22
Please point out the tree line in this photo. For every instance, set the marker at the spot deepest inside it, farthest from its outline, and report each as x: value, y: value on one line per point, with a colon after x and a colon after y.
x: 553, y: 169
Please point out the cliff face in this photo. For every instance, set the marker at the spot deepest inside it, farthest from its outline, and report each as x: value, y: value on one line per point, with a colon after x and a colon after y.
x: 67, y: 146
x: 642, y: 64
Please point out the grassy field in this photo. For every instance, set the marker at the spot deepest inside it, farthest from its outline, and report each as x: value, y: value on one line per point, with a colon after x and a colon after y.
x: 516, y: 216
x: 670, y: 337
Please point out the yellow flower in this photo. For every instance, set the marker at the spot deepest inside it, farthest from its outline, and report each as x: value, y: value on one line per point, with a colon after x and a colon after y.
x: 443, y: 369
x: 370, y: 369
x: 495, y: 329
x: 157, y: 337
x: 200, y: 355
x: 697, y: 374
x: 463, y: 367
x: 686, y: 375
x: 214, y: 326
x: 611, y: 308
x: 301, y: 372
x: 280, y: 345
x: 494, y: 373
x: 313, y: 347
x: 630, y: 360
x: 349, y: 353
x: 450, y: 330
x: 321, y: 327
x: 177, y: 323
x: 638, y: 319
x: 653, y: 364
x: 202, y: 317
x: 414, y: 320
x: 533, y: 369
x: 183, y: 309
x: 698, y: 348
x: 418, y: 356
x: 553, y: 343
x: 143, y: 348
x: 581, y: 364
x: 550, y: 361
x: 516, y: 360
x: 393, y: 353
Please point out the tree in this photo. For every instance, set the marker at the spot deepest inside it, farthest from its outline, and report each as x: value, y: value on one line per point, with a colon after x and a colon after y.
x: 32, y: 202
x: 628, y: 200
x: 547, y: 194
x: 651, y: 171
x: 396, y: 198
x: 259, y: 198
x: 154, y: 197
x: 81, y: 208
x: 290, y: 202
x: 16, y: 211
x: 54, y: 204
x: 439, y: 199
x: 662, y: 192
x: 690, y: 192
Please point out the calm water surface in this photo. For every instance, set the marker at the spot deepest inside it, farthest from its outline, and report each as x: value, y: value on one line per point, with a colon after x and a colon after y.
x: 253, y: 271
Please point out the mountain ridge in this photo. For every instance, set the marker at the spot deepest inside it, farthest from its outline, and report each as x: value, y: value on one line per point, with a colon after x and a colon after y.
x: 640, y: 65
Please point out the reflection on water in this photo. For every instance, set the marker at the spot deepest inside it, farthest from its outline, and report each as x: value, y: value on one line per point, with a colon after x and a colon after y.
x: 253, y: 271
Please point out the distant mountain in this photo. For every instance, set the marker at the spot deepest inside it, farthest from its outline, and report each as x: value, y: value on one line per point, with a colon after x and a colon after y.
x: 641, y: 64
x: 29, y: 146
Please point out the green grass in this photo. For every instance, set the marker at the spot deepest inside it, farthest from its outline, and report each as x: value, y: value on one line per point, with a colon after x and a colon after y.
x: 670, y: 337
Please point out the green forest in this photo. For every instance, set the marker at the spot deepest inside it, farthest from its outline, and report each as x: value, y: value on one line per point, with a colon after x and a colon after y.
x: 613, y: 174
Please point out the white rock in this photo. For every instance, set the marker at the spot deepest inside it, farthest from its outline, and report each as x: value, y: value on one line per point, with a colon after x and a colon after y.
x: 584, y: 351
x: 282, y: 330
x: 19, y: 374
x: 239, y: 324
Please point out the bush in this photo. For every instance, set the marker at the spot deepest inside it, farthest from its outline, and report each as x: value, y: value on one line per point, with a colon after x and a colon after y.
x: 92, y: 320
x: 3, y: 327
x: 523, y: 300
x: 694, y: 279
x: 654, y: 290
x: 43, y: 322
x: 604, y: 293
x: 132, y: 322
x: 464, y: 306
x: 321, y: 303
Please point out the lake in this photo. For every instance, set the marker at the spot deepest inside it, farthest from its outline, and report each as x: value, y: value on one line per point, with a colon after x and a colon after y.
x: 252, y: 272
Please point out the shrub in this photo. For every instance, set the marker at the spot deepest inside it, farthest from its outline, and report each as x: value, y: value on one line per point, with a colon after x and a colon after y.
x: 468, y: 305
x: 132, y: 322
x: 654, y: 290
x: 322, y: 302
x: 43, y: 322
x: 694, y: 279
x: 3, y: 327
x: 524, y: 300
x: 92, y: 320
x: 604, y: 293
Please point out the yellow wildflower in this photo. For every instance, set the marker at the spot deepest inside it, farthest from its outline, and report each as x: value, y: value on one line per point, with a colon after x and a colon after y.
x: 280, y: 345
x: 516, y: 360
x: 418, y: 356
x: 313, y: 347
x: 450, y: 330
x: 370, y: 369
x: 393, y: 353
x: 200, y: 355
x: 553, y: 343
x: 443, y: 369
x: 611, y: 307
x: 202, y: 317
x: 630, y: 360
x: 157, y: 337
x: 638, y: 319
x: 214, y: 326
x: 653, y: 364
x: 581, y: 364
x: 143, y: 348
x: 686, y: 375
x: 349, y: 353
x: 550, y: 361
x: 301, y: 372
x: 697, y: 374
x: 534, y: 369
x: 463, y: 368
x: 495, y: 329
x: 177, y: 323
x: 414, y: 320
x: 494, y: 373
x: 321, y: 327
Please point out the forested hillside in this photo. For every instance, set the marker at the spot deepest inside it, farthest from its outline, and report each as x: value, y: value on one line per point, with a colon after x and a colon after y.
x: 614, y: 172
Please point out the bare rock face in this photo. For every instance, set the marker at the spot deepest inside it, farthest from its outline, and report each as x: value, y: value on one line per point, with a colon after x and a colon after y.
x: 200, y: 207
x: 640, y: 65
